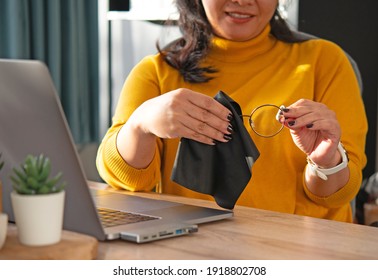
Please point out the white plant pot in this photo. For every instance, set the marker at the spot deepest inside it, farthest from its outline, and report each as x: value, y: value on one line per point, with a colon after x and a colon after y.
x: 39, y: 218
x: 3, y: 228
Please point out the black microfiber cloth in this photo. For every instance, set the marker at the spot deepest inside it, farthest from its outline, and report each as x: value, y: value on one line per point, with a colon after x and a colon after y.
x: 222, y: 170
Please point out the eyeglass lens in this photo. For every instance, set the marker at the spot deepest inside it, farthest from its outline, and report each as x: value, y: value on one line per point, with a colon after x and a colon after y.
x: 264, y: 120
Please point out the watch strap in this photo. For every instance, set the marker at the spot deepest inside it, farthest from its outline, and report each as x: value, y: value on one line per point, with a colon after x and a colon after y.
x: 323, y: 172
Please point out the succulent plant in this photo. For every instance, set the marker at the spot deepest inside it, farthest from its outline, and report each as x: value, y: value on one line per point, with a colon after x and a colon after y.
x: 33, y: 177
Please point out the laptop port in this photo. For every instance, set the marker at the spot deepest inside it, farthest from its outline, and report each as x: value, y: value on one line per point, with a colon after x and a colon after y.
x: 165, y: 233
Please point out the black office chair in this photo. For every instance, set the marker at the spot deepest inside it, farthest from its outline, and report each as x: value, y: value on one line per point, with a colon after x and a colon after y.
x: 368, y: 194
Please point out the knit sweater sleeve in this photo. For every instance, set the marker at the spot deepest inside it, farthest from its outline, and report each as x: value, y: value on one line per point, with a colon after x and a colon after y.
x: 140, y: 85
x: 337, y: 87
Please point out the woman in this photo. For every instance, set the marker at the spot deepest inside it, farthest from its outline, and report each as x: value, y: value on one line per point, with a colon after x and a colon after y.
x: 245, y: 49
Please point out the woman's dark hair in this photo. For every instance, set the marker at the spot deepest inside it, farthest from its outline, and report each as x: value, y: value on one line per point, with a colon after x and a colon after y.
x: 186, y: 53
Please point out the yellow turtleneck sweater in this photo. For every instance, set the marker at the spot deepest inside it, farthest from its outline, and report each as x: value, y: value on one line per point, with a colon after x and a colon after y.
x: 259, y: 71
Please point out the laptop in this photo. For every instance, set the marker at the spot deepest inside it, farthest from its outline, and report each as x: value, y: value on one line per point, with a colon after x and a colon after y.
x: 32, y: 122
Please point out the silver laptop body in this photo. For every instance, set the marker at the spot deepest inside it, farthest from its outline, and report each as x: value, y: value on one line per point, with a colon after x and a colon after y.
x: 32, y: 122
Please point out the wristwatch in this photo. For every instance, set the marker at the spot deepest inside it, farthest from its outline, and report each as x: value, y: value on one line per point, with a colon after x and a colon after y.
x: 323, y: 172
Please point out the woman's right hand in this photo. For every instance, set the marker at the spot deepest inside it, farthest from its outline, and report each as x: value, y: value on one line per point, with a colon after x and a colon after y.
x: 184, y: 113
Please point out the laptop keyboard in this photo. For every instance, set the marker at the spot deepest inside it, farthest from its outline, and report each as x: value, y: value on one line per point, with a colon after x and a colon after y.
x: 111, y: 218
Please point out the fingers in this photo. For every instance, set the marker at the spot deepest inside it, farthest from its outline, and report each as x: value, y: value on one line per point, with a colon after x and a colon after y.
x: 206, y: 120
x: 204, y: 133
x: 185, y: 113
x: 307, y: 114
x: 314, y: 129
x: 205, y: 108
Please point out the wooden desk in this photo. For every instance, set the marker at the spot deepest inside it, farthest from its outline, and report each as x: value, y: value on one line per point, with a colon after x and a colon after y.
x: 72, y: 246
x: 253, y: 234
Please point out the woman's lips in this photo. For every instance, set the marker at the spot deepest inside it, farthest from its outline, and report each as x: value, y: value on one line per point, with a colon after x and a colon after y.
x: 239, y: 17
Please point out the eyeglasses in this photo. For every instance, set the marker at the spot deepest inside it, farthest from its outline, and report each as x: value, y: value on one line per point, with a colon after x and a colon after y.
x: 264, y: 120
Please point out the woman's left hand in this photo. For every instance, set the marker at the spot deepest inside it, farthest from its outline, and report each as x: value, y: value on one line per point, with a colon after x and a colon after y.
x: 315, y: 130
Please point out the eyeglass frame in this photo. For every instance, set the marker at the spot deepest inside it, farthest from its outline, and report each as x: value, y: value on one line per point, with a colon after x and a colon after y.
x: 251, y: 124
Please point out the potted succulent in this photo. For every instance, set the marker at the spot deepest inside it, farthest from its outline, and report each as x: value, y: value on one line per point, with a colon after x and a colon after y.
x: 3, y: 216
x: 37, y: 201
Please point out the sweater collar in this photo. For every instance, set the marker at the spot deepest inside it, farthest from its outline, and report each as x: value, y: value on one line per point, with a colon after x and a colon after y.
x: 232, y: 51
